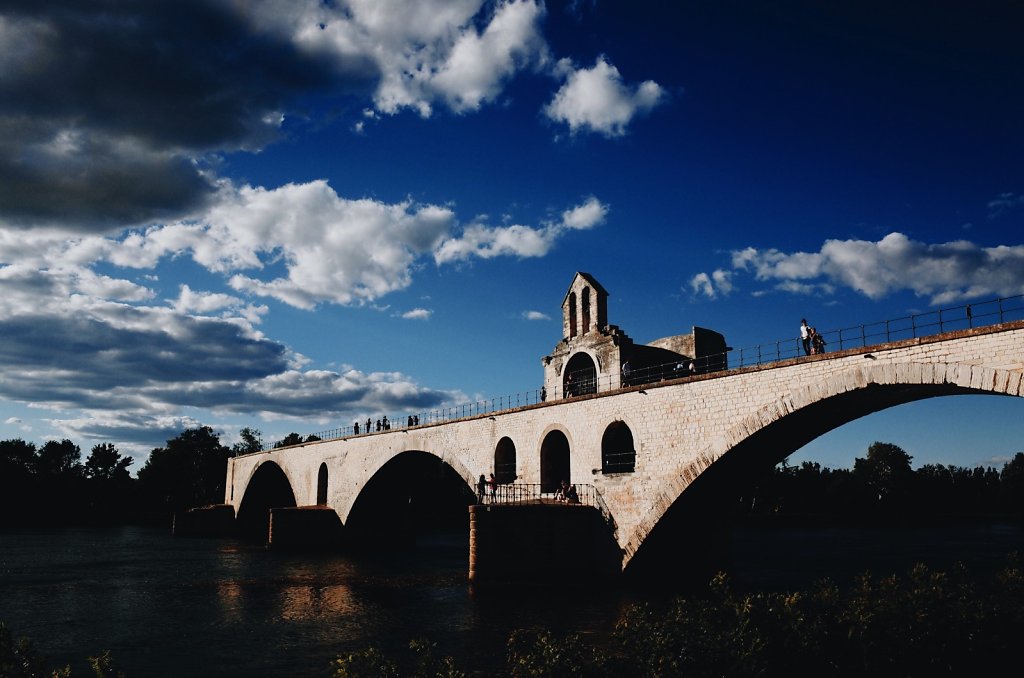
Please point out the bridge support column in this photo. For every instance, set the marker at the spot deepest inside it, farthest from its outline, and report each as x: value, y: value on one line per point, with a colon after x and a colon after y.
x: 305, y: 528
x: 207, y: 521
x: 541, y: 542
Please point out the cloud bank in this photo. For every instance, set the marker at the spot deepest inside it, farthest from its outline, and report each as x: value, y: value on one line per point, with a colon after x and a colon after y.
x: 944, y: 273
x: 114, y: 115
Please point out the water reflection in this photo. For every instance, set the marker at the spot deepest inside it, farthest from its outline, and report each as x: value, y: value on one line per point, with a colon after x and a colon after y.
x: 318, y: 603
x: 229, y: 594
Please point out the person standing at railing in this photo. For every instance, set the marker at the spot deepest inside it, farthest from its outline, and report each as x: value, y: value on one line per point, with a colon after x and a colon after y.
x: 492, y: 484
x: 805, y: 336
x: 481, y: 489
x: 817, y: 342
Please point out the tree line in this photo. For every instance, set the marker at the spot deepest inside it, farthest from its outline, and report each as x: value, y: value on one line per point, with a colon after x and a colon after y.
x: 51, y: 484
x: 883, y: 485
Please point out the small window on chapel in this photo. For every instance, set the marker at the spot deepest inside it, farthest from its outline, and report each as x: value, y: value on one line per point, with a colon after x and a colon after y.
x: 572, y: 315
x: 586, y: 310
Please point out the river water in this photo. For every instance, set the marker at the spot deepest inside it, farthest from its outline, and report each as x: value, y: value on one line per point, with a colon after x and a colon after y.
x: 224, y: 608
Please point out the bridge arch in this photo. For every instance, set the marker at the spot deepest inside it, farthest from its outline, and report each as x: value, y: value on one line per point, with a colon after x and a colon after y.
x: 765, y: 437
x: 409, y: 491
x: 268, y: 487
x: 344, y: 508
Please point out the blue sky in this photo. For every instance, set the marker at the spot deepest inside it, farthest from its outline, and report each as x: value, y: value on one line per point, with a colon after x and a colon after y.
x: 294, y: 215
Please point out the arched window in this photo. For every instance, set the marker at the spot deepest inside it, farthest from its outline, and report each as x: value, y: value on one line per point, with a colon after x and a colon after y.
x: 505, y: 461
x: 617, y: 452
x: 586, y: 310
x: 572, y: 315
x: 321, y: 485
x: 579, y: 376
x: 554, y: 461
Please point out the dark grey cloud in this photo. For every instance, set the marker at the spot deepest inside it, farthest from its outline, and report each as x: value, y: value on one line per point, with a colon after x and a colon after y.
x: 140, y: 430
x: 107, y: 108
x: 142, y: 361
x: 96, y: 355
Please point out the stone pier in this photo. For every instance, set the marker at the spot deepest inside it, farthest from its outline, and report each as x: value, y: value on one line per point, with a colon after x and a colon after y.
x: 541, y: 542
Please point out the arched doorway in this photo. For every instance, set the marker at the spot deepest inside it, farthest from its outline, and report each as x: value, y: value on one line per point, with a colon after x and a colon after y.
x: 579, y: 376
x: 554, y: 461
x: 617, y: 452
x: 505, y: 461
x: 321, y: 485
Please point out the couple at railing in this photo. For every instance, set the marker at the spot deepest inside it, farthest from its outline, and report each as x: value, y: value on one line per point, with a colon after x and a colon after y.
x: 567, y: 493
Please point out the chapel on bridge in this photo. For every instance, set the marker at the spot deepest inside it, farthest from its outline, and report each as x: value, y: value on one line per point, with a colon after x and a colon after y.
x: 595, y: 355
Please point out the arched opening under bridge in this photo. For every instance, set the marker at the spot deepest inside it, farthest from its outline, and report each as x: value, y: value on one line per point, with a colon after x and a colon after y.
x: 691, y: 538
x: 416, y: 498
x: 268, y: 488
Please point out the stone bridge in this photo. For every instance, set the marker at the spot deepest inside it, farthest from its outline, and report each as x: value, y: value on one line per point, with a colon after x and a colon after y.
x: 690, y: 437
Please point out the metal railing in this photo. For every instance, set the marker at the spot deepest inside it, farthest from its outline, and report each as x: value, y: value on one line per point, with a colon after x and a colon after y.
x: 585, y: 382
x: 537, y: 493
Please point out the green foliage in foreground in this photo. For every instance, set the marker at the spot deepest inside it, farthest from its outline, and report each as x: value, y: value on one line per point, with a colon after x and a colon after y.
x: 19, y: 659
x: 925, y: 624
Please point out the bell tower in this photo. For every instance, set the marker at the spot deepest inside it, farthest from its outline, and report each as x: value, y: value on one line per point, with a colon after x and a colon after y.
x: 584, y: 308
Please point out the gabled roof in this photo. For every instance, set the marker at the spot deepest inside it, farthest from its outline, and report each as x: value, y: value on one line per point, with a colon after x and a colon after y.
x: 590, y: 280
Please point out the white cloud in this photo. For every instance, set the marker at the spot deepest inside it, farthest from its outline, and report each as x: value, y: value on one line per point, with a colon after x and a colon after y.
x: 459, y: 52
x: 332, y: 249
x: 701, y: 284
x: 478, y: 63
x: 418, y: 314
x: 301, y: 244
x: 486, y: 242
x: 205, y: 303
x: 587, y: 215
x: 535, y: 315
x: 945, y: 272
x: 596, y: 99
